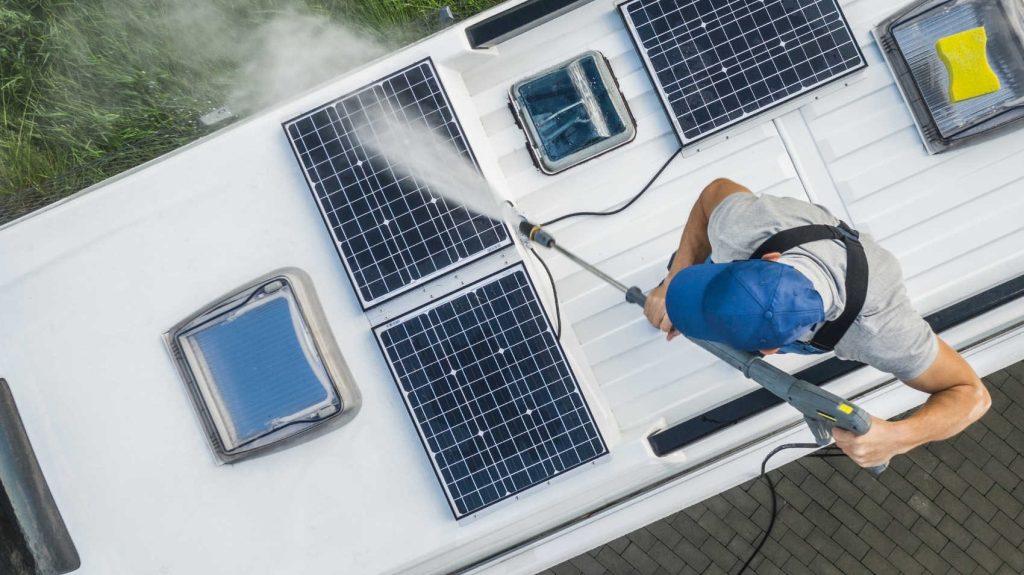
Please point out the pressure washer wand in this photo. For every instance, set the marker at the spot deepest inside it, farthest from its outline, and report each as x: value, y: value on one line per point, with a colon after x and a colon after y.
x: 822, y: 410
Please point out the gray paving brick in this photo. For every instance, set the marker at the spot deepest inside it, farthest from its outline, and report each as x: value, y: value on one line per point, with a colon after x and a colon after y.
x: 762, y: 517
x: 792, y: 494
x: 824, y: 545
x: 851, y: 566
x: 950, y: 479
x: 1003, y: 501
x: 796, y: 473
x: 924, y: 459
x: 689, y: 528
x: 821, y: 518
x: 819, y: 467
x: 1008, y: 528
x: 900, y: 511
x: 926, y: 508
x: 997, y: 448
x: 795, y: 567
x: 718, y: 505
x: 954, y: 532
x: 742, y: 524
x: 845, y: 489
x: 953, y: 506
x: 636, y: 557
x: 821, y: 565
x: 870, y: 486
x: 931, y: 561
x: 956, y: 557
x: 899, y: 486
x: 740, y: 548
x: 973, y: 475
x: 902, y: 537
x: 691, y: 555
x: 929, y: 535
x: 980, y: 529
x: 665, y: 557
x: 665, y: 532
x: 971, y: 449
x: 799, y: 548
x: 1010, y: 554
x: 949, y: 455
x: 877, y: 564
x: 613, y: 561
x: 978, y: 504
x: 795, y: 521
x: 642, y: 538
x: 850, y: 542
x: 873, y: 513
x: 1018, y: 466
x: 904, y: 563
x: 719, y: 554
x: 619, y: 545
x: 1002, y: 475
x: 877, y: 539
x: 924, y: 482
x: 588, y: 565
x: 818, y: 492
x: 984, y: 556
x: 775, y: 551
x: 847, y: 515
x: 742, y: 501
x: 997, y: 424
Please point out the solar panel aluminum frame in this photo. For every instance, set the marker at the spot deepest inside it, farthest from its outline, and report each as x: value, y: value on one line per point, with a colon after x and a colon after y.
x: 303, y: 297
x: 378, y: 330
x: 741, y: 124
x: 367, y: 305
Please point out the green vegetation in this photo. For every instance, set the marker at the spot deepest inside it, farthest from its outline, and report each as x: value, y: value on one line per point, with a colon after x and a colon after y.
x: 94, y: 88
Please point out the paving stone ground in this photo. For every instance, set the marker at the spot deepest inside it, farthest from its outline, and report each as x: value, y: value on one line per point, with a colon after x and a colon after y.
x: 950, y: 507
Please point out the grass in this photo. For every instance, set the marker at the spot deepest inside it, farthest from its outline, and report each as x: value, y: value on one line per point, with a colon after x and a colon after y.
x: 90, y: 89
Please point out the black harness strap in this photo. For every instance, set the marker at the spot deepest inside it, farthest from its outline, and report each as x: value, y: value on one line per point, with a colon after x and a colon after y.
x: 856, y: 273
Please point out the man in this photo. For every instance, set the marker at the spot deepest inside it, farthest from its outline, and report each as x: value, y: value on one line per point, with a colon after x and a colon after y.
x: 814, y: 285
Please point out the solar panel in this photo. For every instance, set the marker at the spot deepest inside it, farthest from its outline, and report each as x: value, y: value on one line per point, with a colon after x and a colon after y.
x: 490, y: 391
x: 716, y: 63
x: 391, y: 230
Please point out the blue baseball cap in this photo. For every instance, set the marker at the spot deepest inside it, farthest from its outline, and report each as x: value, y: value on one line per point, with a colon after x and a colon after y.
x: 750, y: 305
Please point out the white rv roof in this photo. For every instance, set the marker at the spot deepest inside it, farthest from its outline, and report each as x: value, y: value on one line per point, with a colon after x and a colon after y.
x: 88, y: 287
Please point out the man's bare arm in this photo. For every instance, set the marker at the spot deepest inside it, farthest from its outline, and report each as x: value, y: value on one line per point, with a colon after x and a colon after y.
x: 959, y: 398
x: 694, y: 246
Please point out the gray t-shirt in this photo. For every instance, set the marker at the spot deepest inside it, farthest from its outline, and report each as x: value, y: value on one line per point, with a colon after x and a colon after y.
x: 888, y: 334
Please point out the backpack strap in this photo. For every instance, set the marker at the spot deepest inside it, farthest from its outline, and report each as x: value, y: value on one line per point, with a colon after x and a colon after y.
x: 856, y: 272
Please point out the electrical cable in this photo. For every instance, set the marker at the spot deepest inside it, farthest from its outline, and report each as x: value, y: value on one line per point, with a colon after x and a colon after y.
x: 554, y: 293
x: 613, y: 211
x: 771, y: 489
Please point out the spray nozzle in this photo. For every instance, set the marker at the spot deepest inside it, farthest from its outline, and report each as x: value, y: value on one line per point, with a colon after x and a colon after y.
x: 535, y: 233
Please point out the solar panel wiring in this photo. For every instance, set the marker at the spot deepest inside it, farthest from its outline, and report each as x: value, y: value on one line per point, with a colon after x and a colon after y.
x: 630, y: 202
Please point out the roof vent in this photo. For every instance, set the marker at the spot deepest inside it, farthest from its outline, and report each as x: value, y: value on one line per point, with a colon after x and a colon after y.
x: 572, y: 112
x: 261, y: 366
x: 908, y: 41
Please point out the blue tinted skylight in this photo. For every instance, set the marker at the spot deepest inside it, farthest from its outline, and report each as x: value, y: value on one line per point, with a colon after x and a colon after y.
x: 260, y: 372
x: 572, y: 112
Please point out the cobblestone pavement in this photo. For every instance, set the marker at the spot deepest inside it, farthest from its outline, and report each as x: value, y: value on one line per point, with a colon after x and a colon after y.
x: 954, y: 506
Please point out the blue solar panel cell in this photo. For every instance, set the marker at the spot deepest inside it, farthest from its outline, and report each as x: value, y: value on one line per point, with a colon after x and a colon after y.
x: 493, y: 398
x: 392, y: 231
x: 717, y: 63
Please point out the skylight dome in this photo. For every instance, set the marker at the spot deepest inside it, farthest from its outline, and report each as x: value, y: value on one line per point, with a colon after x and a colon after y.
x: 260, y: 366
x: 572, y: 112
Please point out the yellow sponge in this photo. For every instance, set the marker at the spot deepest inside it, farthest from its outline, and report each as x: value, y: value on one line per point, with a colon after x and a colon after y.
x: 966, y: 62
